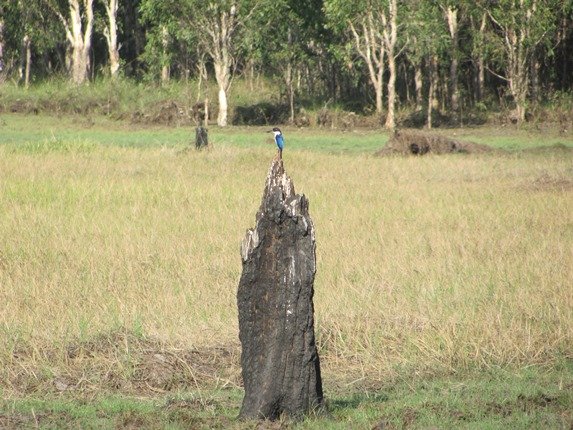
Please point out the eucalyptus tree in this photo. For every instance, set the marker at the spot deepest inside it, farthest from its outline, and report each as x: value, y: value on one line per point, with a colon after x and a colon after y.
x: 2, y: 44
x: 163, y: 20
x: 280, y: 39
x: 216, y: 27
x: 519, y: 28
x: 373, y: 28
x: 478, y: 20
x: 111, y: 36
x: 77, y: 19
x: 361, y: 22
x: 428, y: 43
x: 451, y: 12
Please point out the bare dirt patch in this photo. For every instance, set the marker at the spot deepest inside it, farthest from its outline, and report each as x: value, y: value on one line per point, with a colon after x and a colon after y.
x: 421, y: 143
x: 122, y: 362
x: 547, y: 182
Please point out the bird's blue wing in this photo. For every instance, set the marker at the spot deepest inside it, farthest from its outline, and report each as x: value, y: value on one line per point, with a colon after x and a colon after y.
x: 280, y: 141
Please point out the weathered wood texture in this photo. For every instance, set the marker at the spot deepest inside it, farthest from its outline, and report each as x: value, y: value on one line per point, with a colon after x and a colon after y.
x: 280, y: 364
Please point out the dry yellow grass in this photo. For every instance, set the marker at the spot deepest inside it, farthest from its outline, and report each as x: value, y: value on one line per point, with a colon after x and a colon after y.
x: 427, y: 264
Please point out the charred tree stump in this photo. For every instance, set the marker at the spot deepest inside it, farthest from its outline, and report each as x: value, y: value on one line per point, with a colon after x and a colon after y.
x: 280, y: 364
x: 199, y: 113
x: 201, y: 137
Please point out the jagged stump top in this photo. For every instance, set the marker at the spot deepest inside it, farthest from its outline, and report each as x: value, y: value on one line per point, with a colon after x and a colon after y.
x: 279, y: 199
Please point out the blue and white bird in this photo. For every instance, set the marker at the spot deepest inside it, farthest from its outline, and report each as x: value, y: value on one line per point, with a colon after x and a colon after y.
x: 279, y: 140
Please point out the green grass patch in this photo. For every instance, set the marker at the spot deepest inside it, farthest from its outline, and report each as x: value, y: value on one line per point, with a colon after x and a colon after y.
x: 496, y: 399
x: 44, y: 133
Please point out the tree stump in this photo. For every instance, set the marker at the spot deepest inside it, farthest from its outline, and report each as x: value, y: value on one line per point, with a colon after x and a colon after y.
x: 279, y: 360
x: 201, y: 138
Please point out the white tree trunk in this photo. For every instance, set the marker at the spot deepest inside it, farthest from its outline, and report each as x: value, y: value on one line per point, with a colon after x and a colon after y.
x: 221, y: 35
x: 223, y: 108
x: 433, y: 78
x: 519, y: 50
x: 79, y: 30
x: 222, y: 75
x: 390, y: 35
x: 82, y: 39
x: 452, y: 19
x: 390, y: 117
x: 28, y: 55
x: 480, y: 63
x: 165, y: 45
x: 370, y: 46
x: 110, y: 33
x: 378, y: 84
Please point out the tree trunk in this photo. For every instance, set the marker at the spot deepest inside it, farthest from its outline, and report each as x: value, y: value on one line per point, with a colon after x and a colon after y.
x: 480, y: 79
x: 28, y: 63
x: 220, y: 28
x: 370, y: 46
x: 289, y: 78
x: 290, y: 90
x: 418, y: 82
x: 2, y: 65
x: 433, y: 78
x: 79, y: 30
x: 206, y: 122
x: 452, y: 19
x: 223, y: 107
x: 390, y: 119
x: 111, y: 37
x: 222, y: 72
x: 480, y: 63
x: 165, y: 46
x: 81, y: 39
x: 390, y: 35
x: 534, y: 72
x: 279, y: 360
x: 379, y: 87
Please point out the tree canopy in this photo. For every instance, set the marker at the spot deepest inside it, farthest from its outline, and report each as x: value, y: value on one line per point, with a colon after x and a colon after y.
x: 373, y: 56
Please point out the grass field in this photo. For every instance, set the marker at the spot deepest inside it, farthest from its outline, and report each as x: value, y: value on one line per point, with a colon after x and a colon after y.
x: 443, y: 297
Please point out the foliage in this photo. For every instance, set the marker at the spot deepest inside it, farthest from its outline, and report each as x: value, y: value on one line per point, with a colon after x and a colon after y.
x: 307, y: 49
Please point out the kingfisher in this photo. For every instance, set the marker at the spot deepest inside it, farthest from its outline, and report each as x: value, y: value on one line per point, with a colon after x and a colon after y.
x: 279, y: 140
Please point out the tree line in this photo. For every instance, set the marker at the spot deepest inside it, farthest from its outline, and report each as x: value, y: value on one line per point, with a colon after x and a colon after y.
x: 376, y: 56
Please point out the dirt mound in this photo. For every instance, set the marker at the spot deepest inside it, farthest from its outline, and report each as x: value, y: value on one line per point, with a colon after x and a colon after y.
x: 167, y: 113
x: 261, y: 114
x: 420, y: 143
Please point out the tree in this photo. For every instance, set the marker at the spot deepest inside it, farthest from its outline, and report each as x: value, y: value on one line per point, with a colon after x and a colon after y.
x: 390, y: 34
x: 110, y: 33
x: 373, y: 26
x: 218, y: 26
x: 428, y: 42
x: 2, y: 44
x: 519, y: 28
x: 79, y: 30
x: 364, y: 23
x: 277, y: 41
x: 450, y: 11
x: 215, y: 28
x: 478, y: 20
